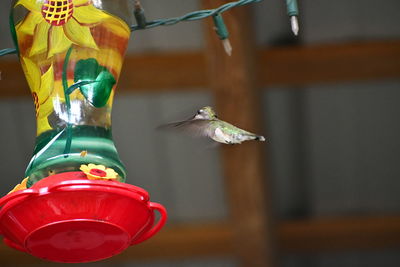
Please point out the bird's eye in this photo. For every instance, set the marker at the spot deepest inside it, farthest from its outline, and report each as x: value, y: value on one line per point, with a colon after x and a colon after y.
x: 199, y: 112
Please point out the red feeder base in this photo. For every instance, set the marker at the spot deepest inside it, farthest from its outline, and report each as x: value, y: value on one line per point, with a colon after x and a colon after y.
x: 68, y: 218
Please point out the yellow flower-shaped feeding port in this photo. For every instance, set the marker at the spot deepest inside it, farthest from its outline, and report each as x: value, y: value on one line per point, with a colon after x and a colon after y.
x: 98, y: 172
x: 56, y: 24
x: 20, y: 186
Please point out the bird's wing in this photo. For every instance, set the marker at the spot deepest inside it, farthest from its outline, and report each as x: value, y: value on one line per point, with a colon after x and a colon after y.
x: 197, y: 128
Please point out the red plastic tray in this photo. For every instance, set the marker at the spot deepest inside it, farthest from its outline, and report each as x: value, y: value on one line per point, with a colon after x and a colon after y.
x: 68, y: 218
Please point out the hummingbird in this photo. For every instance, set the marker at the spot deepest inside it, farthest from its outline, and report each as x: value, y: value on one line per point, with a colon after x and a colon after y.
x: 206, y: 123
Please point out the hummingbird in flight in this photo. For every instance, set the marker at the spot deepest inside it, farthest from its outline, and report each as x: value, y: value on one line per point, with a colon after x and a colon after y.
x: 205, y: 123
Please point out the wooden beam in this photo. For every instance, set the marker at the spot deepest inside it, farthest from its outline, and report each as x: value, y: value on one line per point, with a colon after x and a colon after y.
x: 163, y: 72
x: 340, y: 234
x: 12, y: 82
x: 184, y: 242
x: 286, y: 66
x: 238, y: 100
x: 299, y: 66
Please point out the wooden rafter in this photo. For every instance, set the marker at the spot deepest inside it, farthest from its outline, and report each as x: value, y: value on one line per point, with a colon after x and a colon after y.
x: 286, y: 66
x: 320, y: 64
x: 340, y: 234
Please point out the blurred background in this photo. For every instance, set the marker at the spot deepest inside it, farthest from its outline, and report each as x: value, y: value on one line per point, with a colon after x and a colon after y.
x: 327, y: 102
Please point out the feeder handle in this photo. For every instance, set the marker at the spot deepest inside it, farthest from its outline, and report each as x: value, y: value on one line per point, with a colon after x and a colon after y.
x: 14, y: 195
x: 163, y: 212
x: 17, y: 194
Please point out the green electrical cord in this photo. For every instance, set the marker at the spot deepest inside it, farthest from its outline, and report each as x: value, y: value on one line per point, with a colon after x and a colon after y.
x: 192, y: 16
x: 220, y: 27
x: 8, y: 51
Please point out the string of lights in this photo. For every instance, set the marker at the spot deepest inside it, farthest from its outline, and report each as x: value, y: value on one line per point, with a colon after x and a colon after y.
x: 192, y: 16
x: 220, y: 27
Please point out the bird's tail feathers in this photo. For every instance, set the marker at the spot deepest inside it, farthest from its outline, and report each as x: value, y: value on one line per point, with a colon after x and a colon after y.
x: 259, y: 138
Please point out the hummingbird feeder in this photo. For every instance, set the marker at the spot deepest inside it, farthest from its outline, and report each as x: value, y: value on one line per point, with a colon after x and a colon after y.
x: 74, y: 206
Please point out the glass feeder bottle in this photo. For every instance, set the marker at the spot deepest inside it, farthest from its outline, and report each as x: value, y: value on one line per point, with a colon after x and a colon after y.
x: 71, y: 52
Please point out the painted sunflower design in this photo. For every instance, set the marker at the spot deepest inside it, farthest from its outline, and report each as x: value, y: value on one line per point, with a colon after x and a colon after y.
x: 56, y: 24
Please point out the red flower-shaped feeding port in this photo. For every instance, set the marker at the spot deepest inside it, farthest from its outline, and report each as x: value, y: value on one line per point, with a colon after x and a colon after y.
x: 69, y: 218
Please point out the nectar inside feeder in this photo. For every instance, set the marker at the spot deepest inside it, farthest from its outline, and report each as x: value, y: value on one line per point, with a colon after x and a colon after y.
x: 74, y: 205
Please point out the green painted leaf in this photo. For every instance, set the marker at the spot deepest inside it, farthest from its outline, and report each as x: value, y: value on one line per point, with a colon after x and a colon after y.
x: 76, y: 85
x: 98, y: 92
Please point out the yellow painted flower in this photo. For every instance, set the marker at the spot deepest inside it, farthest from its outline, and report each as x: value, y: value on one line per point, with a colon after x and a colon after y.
x: 42, y: 88
x: 20, y: 186
x: 98, y: 172
x: 56, y: 24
